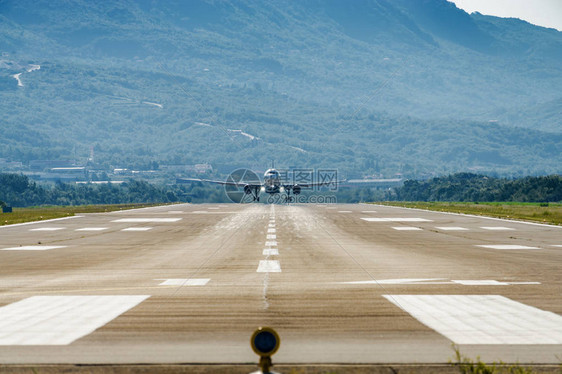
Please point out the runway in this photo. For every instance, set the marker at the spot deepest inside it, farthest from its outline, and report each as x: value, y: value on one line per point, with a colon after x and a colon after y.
x: 340, y: 283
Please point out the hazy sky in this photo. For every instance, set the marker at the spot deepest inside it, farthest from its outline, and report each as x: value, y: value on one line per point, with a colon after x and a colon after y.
x: 547, y: 13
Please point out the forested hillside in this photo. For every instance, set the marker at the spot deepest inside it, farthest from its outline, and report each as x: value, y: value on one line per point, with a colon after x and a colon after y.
x: 371, y: 87
x: 472, y: 187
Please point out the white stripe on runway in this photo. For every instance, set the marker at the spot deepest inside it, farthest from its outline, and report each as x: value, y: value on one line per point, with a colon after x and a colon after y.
x: 269, y: 266
x: 271, y: 236
x: 407, y: 228
x: 451, y: 228
x: 271, y: 230
x: 60, y: 320
x: 34, y: 248
x: 270, y: 252
x: 271, y: 244
x: 506, y: 246
x: 137, y: 229
x: 371, y: 219
x: 184, y: 282
x: 92, y: 229
x: 482, y: 319
x: 497, y: 228
x: 145, y: 220
x: 48, y: 229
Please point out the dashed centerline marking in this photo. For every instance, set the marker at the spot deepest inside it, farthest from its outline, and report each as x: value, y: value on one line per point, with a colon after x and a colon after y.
x: 270, y: 252
x: 271, y: 236
x: 92, y: 229
x: 407, y: 228
x: 482, y: 319
x: 271, y: 230
x: 269, y: 266
x: 60, y: 320
x: 137, y: 229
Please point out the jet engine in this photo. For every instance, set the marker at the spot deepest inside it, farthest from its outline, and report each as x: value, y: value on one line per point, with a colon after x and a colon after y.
x: 296, y: 189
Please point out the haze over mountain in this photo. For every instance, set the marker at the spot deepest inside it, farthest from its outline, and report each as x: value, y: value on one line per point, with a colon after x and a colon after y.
x: 368, y: 86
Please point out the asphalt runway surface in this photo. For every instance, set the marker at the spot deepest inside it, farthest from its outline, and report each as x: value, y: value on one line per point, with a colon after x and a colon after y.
x: 340, y: 284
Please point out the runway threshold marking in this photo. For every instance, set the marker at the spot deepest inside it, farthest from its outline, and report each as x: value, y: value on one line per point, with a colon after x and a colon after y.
x: 34, y: 248
x: 60, y: 320
x: 269, y: 266
x: 482, y: 319
x: 506, y: 246
x: 184, y: 282
x: 396, y: 219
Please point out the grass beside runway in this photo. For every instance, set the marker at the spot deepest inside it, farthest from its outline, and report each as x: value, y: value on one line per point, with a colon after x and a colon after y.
x: 549, y: 213
x: 41, y: 213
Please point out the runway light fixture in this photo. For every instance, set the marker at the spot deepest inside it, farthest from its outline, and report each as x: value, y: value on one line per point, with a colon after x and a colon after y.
x: 265, y: 342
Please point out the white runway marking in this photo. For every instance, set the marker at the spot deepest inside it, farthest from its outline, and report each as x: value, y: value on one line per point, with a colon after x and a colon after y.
x: 271, y: 244
x: 60, y: 320
x: 557, y: 245
x: 490, y: 282
x: 451, y: 228
x: 482, y: 319
x: 271, y: 236
x: 92, y: 229
x: 271, y: 252
x: 146, y: 220
x: 271, y: 230
x: 185, y: 282
x: 269, y: 266
x: 36, y: 222
x: 441, y: 281
x: 400, y: 281
x: 272, y: 225
x: 371, y: 219
x: 368, y: 211
x: 484, y: 282
x: 345, y: 211
x: 34, y: 248
x: 507, y: 246
x: 497, y: 228
x: 175, y: 211
x: 213, y: 208
x: 48, y: 229
x: 137, y: 229
x: 407, y: 228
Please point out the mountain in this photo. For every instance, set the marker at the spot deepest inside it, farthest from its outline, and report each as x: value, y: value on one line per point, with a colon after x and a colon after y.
x: 368, y: 86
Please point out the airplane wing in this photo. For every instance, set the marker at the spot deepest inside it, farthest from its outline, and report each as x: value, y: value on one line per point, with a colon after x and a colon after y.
x: 317, y: 184
x: 223, y: 183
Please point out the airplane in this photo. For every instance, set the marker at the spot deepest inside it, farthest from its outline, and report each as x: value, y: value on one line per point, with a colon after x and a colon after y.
x: 271, y: 183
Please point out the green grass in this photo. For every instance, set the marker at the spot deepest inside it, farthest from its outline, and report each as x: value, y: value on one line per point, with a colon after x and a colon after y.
x: 30, y: 214
x: 550, y: 213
